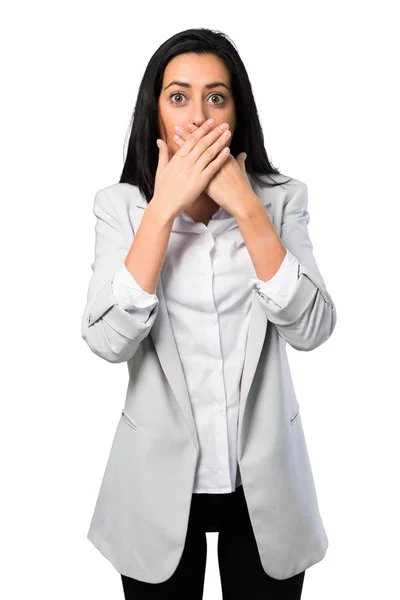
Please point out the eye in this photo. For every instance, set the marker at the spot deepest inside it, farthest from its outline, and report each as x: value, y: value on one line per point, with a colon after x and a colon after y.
x: 180, y: 94
x: 176, y: 94
x: 216, y: 96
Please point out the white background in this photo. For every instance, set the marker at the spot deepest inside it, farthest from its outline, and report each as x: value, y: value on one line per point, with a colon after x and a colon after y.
x: 325, y: 80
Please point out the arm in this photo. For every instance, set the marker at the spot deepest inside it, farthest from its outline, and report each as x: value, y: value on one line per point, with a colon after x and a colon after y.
x: 110, y: 331
x: 299, y: 305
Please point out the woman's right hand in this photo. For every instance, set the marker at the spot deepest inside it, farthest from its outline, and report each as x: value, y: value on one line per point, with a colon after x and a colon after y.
x: 180, y: 181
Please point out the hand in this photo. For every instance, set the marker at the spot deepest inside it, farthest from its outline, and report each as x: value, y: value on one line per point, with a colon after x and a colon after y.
x: 180, y: 180
x: 230, y: 185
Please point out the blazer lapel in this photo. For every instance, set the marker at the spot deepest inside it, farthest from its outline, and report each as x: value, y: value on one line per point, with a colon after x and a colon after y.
x: 255, y: 339
x: 256, y: 333
x: 164, y: 342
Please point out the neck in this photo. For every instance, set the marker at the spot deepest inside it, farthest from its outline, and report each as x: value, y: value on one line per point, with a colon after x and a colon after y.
x: 202, y: 208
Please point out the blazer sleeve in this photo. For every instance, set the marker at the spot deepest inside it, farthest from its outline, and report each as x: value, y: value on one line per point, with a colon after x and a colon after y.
x: 303, y: 311
x: 110, y: 331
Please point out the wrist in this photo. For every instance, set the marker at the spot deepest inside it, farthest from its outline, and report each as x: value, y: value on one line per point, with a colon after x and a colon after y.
x: 249, y: 206
x: 160, y: 212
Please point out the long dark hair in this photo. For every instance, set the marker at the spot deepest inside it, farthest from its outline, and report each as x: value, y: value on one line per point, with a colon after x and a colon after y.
x: 142, y: 156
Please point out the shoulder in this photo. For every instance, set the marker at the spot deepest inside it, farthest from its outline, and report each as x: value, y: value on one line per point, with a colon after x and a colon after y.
x: 122, y: 198
x: 124, y: 193
x: 290, y: 195
x: 278, y: 189
x: 286, y: 188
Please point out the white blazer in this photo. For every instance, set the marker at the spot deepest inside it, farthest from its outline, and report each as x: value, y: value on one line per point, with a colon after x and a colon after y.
x: 141, y: 515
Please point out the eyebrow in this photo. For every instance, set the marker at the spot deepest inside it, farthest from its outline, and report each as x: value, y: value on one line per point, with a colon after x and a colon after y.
x: 187, y: 85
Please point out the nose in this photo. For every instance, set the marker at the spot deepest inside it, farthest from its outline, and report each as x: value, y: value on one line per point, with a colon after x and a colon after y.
x: 199, y: 119
x: 200, y: 113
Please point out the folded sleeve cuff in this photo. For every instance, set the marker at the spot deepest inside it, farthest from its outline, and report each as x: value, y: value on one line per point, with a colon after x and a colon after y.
x: 129, y: 294
x: 282, y: 285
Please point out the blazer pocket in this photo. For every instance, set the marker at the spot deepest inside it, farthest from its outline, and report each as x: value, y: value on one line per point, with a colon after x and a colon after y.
x: 128, y: 420
x: 294, y: 414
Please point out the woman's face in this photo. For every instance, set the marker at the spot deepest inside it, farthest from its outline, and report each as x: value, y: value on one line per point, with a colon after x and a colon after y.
x: 203, y: 91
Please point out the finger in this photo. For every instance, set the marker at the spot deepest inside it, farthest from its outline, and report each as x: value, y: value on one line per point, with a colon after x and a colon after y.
x: 163, y: 153
x: 180, y: 141
x: 240, y: 160
x: 219, y: 139
x: 181, y: 132
x: 214, y: 166
x: 195, y: 137
x: 207, y: 146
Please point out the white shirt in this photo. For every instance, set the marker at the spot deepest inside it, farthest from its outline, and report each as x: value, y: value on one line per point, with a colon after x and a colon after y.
x: 207, y: 278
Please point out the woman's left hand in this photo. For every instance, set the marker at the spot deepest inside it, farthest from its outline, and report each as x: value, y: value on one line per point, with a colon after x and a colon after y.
x: 230, y: 187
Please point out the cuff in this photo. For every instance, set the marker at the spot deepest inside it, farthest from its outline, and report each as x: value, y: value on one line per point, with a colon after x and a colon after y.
x: 282, y: 285
x: 128, y: 293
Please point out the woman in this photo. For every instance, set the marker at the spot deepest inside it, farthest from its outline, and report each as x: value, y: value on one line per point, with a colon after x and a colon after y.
x: 203, y: 272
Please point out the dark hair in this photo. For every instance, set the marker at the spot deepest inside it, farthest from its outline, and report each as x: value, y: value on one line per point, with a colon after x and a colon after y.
x: 142, y: 156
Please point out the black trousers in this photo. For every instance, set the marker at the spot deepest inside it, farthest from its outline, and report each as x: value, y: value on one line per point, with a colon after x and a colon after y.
x: 242, y: 575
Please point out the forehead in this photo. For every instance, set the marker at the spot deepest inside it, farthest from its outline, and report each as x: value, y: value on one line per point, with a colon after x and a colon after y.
x: 196, y: 69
